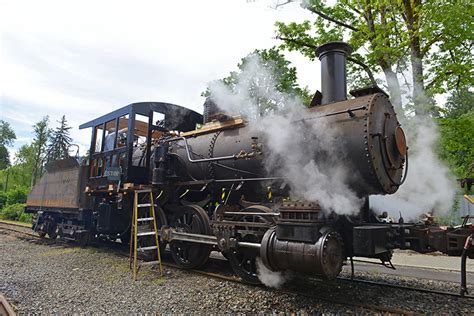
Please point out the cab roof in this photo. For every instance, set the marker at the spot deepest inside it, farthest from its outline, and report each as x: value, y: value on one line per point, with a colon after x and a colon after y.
x: 177, y: 117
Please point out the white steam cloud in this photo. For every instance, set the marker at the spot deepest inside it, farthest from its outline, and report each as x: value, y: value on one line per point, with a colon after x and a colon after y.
x: 268, y: 277
x: 255, y: 92
x: 291, y: 146
x: 430, y: 187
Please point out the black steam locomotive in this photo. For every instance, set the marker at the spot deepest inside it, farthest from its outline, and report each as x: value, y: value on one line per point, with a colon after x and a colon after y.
x: 213, y: 192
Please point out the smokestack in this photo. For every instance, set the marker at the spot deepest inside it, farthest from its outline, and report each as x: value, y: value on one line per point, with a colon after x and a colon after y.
x: 212, y: 112
x: 333, y: 57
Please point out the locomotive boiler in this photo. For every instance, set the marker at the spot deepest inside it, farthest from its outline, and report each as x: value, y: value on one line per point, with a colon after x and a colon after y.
x: 214, y: 192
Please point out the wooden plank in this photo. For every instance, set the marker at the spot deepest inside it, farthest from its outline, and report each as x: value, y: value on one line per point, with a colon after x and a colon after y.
x: 234, y: 122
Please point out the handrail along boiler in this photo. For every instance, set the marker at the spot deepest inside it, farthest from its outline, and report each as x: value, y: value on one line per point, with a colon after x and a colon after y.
x: 213, y: 192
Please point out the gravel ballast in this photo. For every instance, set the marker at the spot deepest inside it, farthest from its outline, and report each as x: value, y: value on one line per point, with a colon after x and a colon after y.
x: 56, y: 278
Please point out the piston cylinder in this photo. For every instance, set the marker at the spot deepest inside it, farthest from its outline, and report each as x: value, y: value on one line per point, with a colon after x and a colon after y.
x: 323, y: 258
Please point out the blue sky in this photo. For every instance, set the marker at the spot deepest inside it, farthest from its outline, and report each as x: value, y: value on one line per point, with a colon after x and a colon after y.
x: 87, y: 58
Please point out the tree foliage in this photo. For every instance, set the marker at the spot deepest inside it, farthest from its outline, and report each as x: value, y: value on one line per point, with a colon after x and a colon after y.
x: 459, y: 103
x: 17, y: 195
x: 16, y: 181
x: 7, y: 135
x: 457, y: 130
x: 60, y: 140
x: 39, y: 146
x: 457, y: 143
x: 15, y: 212
x: 431, y: 39
x: 267, y: 78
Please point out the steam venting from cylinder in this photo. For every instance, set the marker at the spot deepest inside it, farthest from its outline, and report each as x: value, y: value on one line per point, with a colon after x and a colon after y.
x: 333, y: 56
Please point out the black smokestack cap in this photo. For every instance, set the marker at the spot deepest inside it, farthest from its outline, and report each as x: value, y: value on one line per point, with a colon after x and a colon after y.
x: 333, y: 56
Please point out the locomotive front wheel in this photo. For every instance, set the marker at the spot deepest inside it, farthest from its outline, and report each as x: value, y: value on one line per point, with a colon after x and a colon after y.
x: 244, y: 260
x: 190, y: 219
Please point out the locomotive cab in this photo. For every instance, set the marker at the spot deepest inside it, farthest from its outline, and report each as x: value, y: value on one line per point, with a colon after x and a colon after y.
x: 121, y: 142
x: 120, y: 157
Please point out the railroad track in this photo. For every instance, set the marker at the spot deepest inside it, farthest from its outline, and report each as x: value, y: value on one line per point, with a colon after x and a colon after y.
x: 229, y: 278
x: 369, y: 307
x: 15, y: 228
x: 403, y: 287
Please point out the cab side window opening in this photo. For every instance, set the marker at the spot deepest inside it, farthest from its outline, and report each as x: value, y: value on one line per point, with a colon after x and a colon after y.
x: 96, y: 165
x: 140, y: 140
x: 158, y: 120
x: 141, y: 129
x: 110, y: 135
x: 122, y: 131
x: 98, y: 138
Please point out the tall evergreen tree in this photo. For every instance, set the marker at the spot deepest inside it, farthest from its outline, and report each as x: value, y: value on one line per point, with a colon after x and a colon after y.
x: 59, y: 141
x: 39, y: 145
x: 7, y: 135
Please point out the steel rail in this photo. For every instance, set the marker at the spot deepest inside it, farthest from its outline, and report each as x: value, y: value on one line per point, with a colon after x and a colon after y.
x: 17, y: 231
x: 13, y: 223
x: 302, y: 293
x: 404, y: 287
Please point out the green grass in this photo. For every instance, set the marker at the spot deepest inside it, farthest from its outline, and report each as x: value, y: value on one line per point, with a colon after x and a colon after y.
x: 60, y: 251
x: 7, y: 221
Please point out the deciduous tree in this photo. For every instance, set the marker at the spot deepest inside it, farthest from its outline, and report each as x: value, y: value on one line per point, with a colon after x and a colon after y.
x: 457, y: 143
x: 459, y: 103
x: 432, y: 39
x: 7, y: 135
x: 267, y: 78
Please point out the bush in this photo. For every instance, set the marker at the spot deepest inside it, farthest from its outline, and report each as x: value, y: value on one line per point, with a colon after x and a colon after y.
x: 25, y: 217
x: 14, y: 212
x: 17, y: 195
x: 3, y: 199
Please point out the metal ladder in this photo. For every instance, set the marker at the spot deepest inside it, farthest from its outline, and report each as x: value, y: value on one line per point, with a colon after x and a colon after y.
x: 143, y: 217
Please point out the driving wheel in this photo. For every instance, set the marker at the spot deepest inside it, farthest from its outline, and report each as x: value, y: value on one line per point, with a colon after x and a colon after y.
x: 190, y: 219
